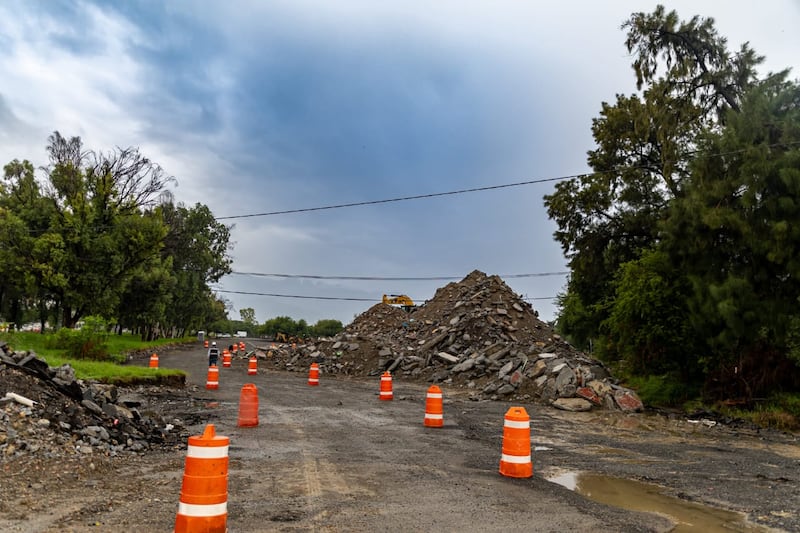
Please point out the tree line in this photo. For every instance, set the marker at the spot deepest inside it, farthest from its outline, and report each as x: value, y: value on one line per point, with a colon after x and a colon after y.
x: 684, y: 241
x: 100, y: 235
x: 97, y: 236
x: 273, y: 327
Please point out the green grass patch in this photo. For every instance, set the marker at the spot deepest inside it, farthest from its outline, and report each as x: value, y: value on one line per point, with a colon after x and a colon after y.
x: 107, y: 371
x: 780, y: 411
x: 662, y: 391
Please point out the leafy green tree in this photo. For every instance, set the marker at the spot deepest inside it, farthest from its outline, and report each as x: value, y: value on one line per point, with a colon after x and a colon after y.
x: 644, y: 143
x: 146, y: 299
x: 248, y: 315
x: 197, y: 246
x: 649, y: 326
x: 736, y: 234
x: 101, y: 235
x: 280, y: 324
x: 326, y: 328
x: 101, y: 229
x: 698, y: 66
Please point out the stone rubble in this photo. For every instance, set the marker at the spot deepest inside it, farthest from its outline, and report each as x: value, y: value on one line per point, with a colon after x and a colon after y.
x: 70, y: 417
x: 475, y: 334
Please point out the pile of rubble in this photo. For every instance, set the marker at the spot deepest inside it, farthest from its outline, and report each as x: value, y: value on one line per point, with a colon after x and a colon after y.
x: 48, y: 412
x: 475, y: 334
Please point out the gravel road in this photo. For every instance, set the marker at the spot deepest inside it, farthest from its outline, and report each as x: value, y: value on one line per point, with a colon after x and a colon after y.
x: 335, y: 458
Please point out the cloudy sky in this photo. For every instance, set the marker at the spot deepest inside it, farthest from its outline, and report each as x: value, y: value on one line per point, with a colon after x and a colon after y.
x: 266, y: 106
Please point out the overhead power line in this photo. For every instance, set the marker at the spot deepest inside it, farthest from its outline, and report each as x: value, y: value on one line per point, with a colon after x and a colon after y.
x: 389, y: 278
x: 339, y: 298
x: 400, y: 199
x: 297, y: 296
x: 489, y: 187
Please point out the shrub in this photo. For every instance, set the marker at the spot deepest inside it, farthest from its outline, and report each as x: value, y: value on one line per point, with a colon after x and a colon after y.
x: 88, y: 342
x: 662, y: 391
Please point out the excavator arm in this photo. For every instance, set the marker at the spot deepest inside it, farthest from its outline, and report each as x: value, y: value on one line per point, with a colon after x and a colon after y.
x: 399, y: 299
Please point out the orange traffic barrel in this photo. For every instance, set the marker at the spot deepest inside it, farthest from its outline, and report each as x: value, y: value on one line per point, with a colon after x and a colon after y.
x: 434, y: 417
x: 212, y: 382
x: 226, y: 358
x: 515, y: 460
x: 252, y: 366
x: 204, y: 493
x: 248, y: 406
x: 205, y: 344
x: 313, y: 375
x: 154, y: 361
x: 241, y: 346
x: 386, y: 386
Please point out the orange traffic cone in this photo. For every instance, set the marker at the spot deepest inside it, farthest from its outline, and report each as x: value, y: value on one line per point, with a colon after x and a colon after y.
x: 204, y: 493
x: 248, y: 406
x: 313, y: 375
x: 434, y: 417
x: 386, y: 386
x: 154, y: 361
x: 212, y: 382
x: 226, y: 358
x: 252, y: 366
x: 515, y: 460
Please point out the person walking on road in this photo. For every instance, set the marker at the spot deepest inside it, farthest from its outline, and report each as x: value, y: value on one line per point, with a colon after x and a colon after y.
x: 213, y: 354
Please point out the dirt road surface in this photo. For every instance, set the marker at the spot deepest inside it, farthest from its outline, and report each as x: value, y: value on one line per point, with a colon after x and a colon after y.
x: 335, y: 458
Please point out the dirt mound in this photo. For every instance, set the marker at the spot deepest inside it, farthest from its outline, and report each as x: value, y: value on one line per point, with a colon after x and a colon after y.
x: 476, y: 334
x: 380, y: 316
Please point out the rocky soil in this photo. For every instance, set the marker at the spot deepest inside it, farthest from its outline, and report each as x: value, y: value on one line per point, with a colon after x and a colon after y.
x: 476, y: 334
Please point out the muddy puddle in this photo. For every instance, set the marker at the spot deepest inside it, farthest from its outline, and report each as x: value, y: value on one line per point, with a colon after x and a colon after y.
x: 637, y: 496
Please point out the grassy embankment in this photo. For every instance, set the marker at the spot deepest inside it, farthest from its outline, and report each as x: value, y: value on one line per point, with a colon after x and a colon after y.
x: 781, y: 410
x: 111, y: 371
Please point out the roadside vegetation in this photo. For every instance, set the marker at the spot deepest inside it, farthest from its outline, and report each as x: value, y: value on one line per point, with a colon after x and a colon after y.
x: 273, y: 327
x: 95, y: 354
x: 682, y: 241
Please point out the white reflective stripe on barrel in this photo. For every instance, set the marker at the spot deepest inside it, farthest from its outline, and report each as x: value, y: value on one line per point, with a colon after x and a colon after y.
x: 434, y: 416
x: 199, y: 511
x: 517, y: 424
x: 434, y: 395
x: 207, y: 452
x: 516, y: 459
x: 212, y: 382
x: 386, y: 393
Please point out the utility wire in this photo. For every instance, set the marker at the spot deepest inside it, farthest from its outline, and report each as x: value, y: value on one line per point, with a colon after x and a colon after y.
x: 462, y: 191
x: 400, y: 199
x: 297, y: 296
x: 379, y: 278
x: 334, y: 297
x: 490, y: 187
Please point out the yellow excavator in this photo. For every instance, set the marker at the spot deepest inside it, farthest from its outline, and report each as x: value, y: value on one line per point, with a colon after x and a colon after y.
x: 399, y: 299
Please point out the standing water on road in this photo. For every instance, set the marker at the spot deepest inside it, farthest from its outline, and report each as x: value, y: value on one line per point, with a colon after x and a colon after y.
x: 636, y: 496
